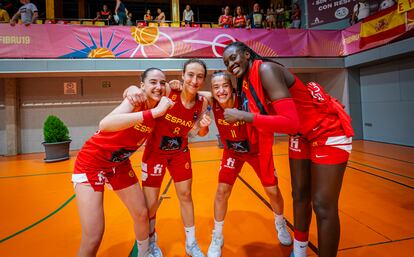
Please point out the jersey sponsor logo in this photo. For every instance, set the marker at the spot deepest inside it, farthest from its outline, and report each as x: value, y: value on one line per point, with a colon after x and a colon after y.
x: 238, y: 146
x: 294, y: 144
x: 170, y: 143
x: 142, y: 128
x: 176, y: 120
x: 131, y: 173
x: 230, y: 163
x: 121, y: 155
x: 187, y: 165
x: 321, y: 156
x: 157, y: 170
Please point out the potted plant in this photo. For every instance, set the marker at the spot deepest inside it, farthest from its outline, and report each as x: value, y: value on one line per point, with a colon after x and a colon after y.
x: 57, y: 140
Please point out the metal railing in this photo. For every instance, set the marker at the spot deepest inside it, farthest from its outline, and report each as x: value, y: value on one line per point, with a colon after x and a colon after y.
x: 71, y: 103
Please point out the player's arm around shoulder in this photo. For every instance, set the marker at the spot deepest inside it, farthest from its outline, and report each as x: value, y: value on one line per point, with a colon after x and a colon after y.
x: 126, y: 115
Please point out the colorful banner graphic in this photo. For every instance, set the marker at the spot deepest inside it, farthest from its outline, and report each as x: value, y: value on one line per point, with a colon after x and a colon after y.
x: 74, y: 41
x: 326, y: 11
x: 405, y: 5
x: 381, y: 26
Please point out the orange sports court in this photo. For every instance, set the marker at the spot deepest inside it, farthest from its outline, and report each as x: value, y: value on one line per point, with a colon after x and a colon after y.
x: 74, y: 59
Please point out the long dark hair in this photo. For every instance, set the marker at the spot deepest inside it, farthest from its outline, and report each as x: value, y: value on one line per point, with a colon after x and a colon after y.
x: 253, y: 56
x: 196, y: 60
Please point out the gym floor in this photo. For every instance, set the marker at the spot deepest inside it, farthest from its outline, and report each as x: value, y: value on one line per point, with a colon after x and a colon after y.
x: 39, y: 214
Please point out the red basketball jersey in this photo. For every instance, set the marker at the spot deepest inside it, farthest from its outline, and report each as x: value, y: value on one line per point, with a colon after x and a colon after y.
x: 318, y: 112
x: 170, y: 133
x: 233, y: 135
x: 109, y: 149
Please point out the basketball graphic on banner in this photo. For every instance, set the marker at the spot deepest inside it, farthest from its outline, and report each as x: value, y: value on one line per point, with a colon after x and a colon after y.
x: 101, y: 53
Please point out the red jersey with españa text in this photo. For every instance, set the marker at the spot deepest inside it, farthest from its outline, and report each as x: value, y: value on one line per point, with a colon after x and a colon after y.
x: 240, y: 21
x: 226, y: 21
x: 106, y: 150
x: 233, y: 135
x: 170, y: 133
x: 318, y: 112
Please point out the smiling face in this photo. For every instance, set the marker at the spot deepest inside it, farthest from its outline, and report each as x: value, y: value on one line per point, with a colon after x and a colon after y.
x: 238, y: 10
x: 154, y: 86
x: 236, y: 61
x: 226, y: 10
x: 222, y: 89
x: 193, y: 77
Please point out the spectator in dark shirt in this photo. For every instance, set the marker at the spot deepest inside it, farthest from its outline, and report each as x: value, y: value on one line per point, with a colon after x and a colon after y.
x: 255, y: 19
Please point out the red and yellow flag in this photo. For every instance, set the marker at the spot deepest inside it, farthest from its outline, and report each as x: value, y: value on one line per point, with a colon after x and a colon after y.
x: 410, y: 19
x: 405, y: 5
x: 382, y: 25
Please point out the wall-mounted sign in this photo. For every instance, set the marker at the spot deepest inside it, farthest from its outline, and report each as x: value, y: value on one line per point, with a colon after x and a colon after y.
x: 69, y: 88
x: 106, y: 84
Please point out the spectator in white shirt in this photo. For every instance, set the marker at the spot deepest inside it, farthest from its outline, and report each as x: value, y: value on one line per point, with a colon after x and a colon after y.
x: 188, y: 15
x: 28, y: 13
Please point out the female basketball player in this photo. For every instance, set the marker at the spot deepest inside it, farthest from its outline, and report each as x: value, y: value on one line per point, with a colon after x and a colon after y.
x: 168, y: 148
x: 104, y: 159
x: 320, y: 142
x: 238, y: 150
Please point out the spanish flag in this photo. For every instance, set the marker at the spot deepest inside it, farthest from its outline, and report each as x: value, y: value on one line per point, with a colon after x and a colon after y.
x: 382, y: 25
x: 410, y: 19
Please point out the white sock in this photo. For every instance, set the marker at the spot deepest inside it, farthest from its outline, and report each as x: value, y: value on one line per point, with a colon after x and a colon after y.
x: 143, y: 247
x: 190, y: 235
x: 279, y: 218
x: 299, y: 248
x: 218, y: 227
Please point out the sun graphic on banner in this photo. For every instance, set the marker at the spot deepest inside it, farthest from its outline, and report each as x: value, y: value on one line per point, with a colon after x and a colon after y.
x: 150, y: 42
x: 93, y: 50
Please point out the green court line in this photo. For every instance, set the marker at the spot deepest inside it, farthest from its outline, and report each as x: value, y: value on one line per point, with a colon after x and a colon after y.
x: 39, y: 221
x: 69, y: 172
x: 37, y: 174
x: 69, y: 200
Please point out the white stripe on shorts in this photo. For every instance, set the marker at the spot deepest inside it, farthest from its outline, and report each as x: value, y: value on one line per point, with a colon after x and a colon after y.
x: 339, y: 140
x: 79, y: 178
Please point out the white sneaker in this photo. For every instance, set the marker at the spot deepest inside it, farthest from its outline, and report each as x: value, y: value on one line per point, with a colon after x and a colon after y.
x: 149, y: 254
x: 194, y: 250
x: 217, y: 242
x: 146, y: 254
x: 154, y: 248
x: 283, y: 233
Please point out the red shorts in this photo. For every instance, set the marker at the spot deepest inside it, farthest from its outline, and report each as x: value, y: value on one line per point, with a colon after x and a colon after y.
x: 154, y: 165
x: 321, y: 150
x: 232, y: 163
x: 117, y: 178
